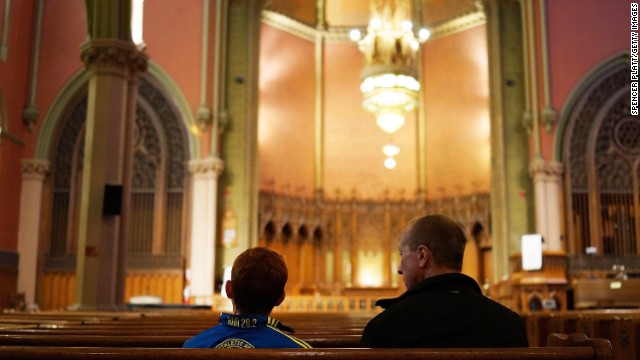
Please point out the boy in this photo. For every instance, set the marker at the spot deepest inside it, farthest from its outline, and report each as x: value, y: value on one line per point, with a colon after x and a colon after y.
x: 257, y: 284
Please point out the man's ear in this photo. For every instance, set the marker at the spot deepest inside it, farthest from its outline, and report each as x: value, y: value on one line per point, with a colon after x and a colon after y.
x: 228, y: 289
x: 423, y: 255
x: 280, y: 299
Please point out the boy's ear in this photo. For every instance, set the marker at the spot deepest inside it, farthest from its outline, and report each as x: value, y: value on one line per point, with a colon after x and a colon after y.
x: 281, y: 298
x: 228, y: 289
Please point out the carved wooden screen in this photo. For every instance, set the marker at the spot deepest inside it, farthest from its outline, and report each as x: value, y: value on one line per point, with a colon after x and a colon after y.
x: 602, y: 157
x: 157, y: 231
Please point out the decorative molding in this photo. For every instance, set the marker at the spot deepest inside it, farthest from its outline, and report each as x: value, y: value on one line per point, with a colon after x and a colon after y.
x: 34, y: 169
x: 458, y: 24
x: 289, y: 25
x: 113, y: 56
x: 213, y: 165
x: 541, y: 167
x: 280, y: 209
x: 341, y: 34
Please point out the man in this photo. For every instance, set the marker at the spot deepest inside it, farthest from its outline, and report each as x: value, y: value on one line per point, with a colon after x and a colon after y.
x: 441, y: 307
x: 257, y: 284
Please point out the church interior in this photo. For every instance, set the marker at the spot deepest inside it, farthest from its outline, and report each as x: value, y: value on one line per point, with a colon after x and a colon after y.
x: 145, y: 144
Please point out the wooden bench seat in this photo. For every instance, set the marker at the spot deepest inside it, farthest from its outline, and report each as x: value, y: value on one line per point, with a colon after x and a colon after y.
x: 77, y: 353
x: 116, y: 340
x: 45, y: 347
x: 170, y: 330
x: 136, y: 331
x: 621, y: 327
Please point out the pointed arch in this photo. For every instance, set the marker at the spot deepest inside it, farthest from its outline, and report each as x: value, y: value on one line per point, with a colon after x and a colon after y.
x: 587, y: 82
x: 78, y: 84
x: 597, y: 141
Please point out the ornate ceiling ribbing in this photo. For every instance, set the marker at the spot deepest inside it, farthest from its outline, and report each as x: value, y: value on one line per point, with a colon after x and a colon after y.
x: 441, y: 23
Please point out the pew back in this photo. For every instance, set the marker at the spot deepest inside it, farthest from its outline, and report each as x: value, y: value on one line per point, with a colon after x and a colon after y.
x: 78, y: 353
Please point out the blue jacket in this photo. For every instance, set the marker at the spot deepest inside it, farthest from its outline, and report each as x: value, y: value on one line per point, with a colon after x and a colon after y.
x: 246, y: 331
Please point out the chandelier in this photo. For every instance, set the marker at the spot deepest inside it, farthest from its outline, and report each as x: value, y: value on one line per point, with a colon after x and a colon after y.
x: 389, y: 79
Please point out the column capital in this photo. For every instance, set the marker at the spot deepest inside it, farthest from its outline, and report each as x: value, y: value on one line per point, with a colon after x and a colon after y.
x: 539, y: 167
x: 113, y: 56
x: 209, y: 166
x: 34, y: 169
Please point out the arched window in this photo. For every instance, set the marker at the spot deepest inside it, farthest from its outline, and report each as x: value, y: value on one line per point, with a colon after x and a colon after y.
x: 601, y: 153
x: 158, y: 203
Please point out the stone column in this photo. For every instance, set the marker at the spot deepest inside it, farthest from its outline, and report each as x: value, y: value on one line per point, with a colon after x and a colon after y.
x: 547, y: 180
x: 537, y: 171
x: 511, y: 190
x: 204, y: 186
x: 34, y: 173
x: 239, y: 135
x: 113, y: 64
x: 555, y: 212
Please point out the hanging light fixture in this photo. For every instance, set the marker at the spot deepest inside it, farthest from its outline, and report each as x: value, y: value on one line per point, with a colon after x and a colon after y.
x: 390, y: 150
x: 389, y: 79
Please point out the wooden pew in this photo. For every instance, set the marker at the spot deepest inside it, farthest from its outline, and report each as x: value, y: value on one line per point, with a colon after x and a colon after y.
x: 188, y: 323
x: 561, y: 346
x: 599, y: 293
x: 161, y: 329
x: 601, y: 346
x: 621, y: 327
x: 319, y: 341
x: 77, y: 353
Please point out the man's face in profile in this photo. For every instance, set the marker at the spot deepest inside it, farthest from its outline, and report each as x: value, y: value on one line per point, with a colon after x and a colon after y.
x: 408, y: 268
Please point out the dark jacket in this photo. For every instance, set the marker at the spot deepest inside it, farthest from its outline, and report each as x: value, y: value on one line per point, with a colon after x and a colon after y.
x: 446, y: 310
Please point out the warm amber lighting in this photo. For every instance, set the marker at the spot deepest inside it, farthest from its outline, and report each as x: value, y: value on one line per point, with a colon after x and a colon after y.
x: 390, y: 121
x: 137, y: 8
x: 424, y: 34
x: 390, y: 86
x: 370, y: 274
x: 390, y: 150
x: 390, y: 163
